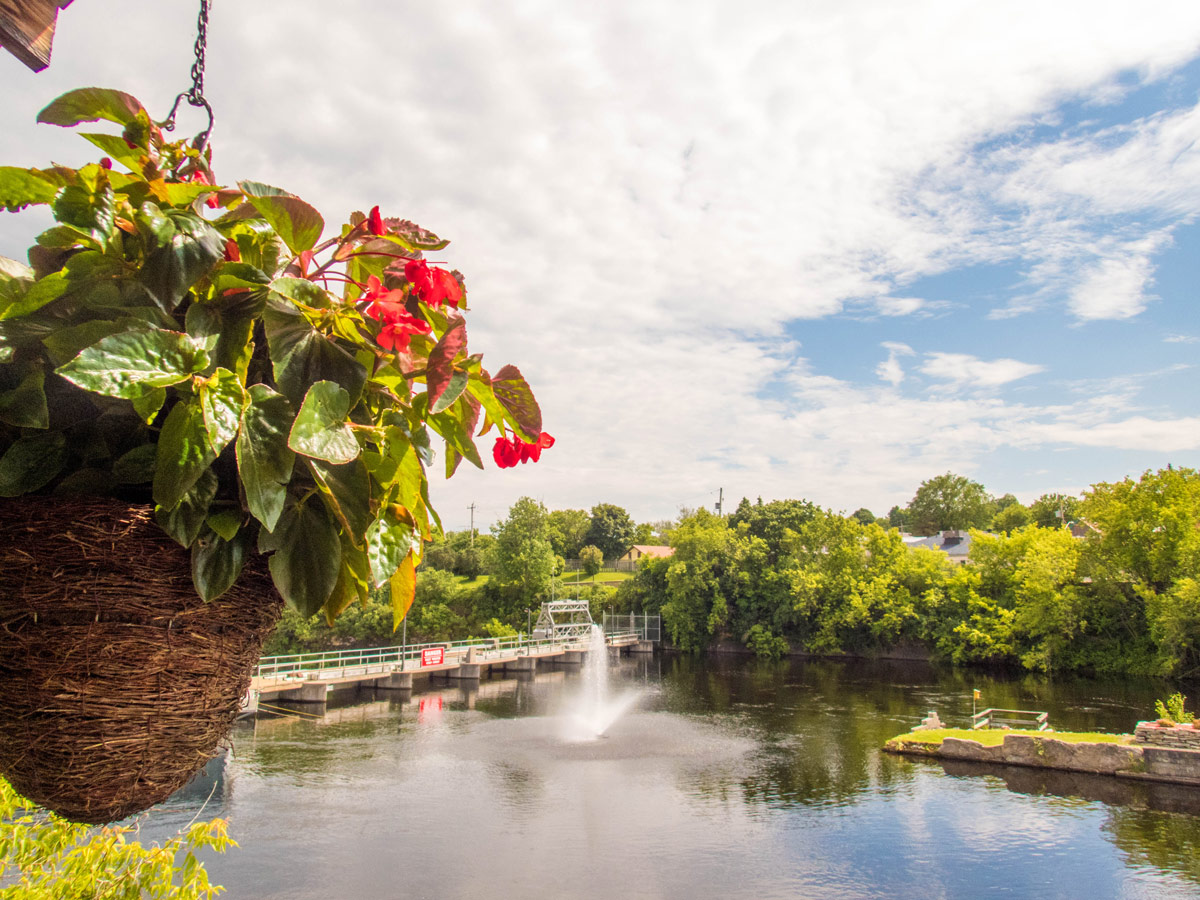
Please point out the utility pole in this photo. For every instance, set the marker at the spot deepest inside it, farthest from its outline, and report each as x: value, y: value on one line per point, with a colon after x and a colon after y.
x: 721, y: 502
x: 472, y: 509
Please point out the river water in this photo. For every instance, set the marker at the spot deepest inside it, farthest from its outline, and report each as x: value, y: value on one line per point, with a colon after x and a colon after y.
x: 726, y: 778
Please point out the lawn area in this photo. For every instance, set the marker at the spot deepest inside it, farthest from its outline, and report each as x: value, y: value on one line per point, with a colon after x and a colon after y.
x: 463, y: 581
x: 601, y: 577
x: 993, y: 737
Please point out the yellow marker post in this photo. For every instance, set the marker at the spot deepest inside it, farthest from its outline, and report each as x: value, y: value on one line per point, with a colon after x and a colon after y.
x: 975, y: 695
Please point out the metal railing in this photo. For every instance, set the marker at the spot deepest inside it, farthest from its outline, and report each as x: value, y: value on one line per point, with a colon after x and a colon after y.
x: 334, y: 663
x: 1032, y: 720
x: 647, y: 628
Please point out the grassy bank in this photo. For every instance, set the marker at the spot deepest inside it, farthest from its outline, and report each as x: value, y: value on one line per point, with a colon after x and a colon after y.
x: 993, y: 737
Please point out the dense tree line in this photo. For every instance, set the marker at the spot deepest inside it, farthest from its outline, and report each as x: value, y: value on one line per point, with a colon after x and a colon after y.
x: 1124, y: 597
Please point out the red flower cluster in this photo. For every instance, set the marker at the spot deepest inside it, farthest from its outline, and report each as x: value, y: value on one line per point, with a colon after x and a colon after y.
x: 433, y: 286
x: 388, y: 307
x: 509, y: 451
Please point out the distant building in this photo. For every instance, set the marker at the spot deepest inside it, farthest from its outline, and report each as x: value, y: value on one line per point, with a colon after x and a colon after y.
x: 955, y: 544
x: 637, y: 551
x: 628, y: 562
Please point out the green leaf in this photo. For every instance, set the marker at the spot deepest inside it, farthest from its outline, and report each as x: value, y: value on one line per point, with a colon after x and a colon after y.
x: 25, y: 405
x: 305, y: 565
x: 301, y: 290
x: 515, y: 395
x: 440, y: 369
x: 89, y: 105
x: 22, y: 187
x: 321, y: 430
x: 301, y: 355
x: 347, y: 490
x: 226, y: 522
x: 114, y: 145
x: 222, y: 398
x: 65, y: 344
x: 295, y: 221
x: 92, y: 212
x: 31, y: 463
x: 264, y: 459
x: 38, y: 295
x: 453, y: 390
x: 447, y: 424
x: 389, y: 540
x: 136, y: 466
x: 193, y: 249
x: 184, y: 453
x: 183, y: 522
x: 148, y: 405
x: 133, y: 363
x: 217, y: 562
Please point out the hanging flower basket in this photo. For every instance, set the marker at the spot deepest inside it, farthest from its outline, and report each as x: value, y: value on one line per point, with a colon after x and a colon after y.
x: 119, y: 681
x: 197, y: 389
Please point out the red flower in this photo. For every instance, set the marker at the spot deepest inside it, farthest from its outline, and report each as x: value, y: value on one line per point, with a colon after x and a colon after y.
x: 105, y: 163
x: 509, y: 451
x: 433, y: 286
x: 375, y: 222
x: 399, y: 330
x: 388, y: 307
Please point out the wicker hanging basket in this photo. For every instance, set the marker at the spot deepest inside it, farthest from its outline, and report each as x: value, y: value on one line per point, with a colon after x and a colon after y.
x: 117, y: 682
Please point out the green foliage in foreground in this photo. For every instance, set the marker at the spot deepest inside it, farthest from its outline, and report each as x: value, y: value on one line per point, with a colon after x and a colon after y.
x: 994, y: 737
x: 1123, y: 599
x: 44, y: 857
x: 1173, y: 710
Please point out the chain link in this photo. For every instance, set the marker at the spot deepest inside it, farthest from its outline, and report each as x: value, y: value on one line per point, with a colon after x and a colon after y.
x: 195, y: 96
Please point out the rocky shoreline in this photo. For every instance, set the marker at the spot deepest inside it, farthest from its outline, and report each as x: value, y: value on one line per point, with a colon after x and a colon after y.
x: 1128, y: 759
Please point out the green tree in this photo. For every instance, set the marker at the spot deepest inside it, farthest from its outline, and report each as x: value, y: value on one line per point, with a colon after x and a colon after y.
x: 898, y: 517
x: 1010, y: 517
x: 773, y: 522
x: 50, y: 858
x: 524, y: 558
x: 864, y: 516
x: 1053, y: 510
x: 611, y: 530
x: 644, y: 534
x: 568, y: 531
x: 696, y: 607
x: 591, y: 559
x: 440, y: 556
x: 949, y: 502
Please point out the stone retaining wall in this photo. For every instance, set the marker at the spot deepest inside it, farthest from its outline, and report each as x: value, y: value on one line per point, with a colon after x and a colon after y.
x: 1133, y: 760
x: 1179, y: 738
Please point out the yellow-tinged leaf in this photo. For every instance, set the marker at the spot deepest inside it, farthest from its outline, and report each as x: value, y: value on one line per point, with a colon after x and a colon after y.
x: 404, y: 590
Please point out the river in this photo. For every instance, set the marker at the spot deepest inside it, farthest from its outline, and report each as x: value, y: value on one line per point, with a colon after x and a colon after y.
x: 725, y: 778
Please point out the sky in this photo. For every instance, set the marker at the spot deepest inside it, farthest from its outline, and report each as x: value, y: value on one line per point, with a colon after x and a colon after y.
x: 820, y: 250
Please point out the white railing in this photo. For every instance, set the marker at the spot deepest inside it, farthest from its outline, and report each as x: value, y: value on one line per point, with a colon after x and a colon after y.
x: 344, y: 662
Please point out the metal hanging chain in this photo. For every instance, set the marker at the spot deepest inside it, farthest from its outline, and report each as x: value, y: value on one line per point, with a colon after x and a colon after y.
x: 195, y: 97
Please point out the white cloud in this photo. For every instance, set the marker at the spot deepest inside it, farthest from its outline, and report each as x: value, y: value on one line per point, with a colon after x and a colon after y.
x: 964, y: 369
x: 1181, y: 339
x: 642, y: 201
x: 890, y: 369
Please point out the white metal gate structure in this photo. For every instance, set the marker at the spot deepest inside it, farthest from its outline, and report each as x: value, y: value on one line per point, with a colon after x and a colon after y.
x: 564, y: 620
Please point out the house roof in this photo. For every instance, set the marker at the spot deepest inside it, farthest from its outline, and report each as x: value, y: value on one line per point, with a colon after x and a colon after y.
x: 654, y: 550
x: 956, y: 544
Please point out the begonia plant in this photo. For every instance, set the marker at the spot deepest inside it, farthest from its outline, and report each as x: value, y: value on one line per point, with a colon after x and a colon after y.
x: 205, y: 347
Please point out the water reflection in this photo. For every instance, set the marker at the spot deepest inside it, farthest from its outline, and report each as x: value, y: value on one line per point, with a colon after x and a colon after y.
x: 729, y: 778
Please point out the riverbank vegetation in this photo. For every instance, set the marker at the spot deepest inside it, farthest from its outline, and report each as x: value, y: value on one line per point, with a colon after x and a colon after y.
x: 1122, y: 595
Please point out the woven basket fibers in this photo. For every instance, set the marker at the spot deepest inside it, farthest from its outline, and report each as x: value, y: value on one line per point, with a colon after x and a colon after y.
x: 117, y: 682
